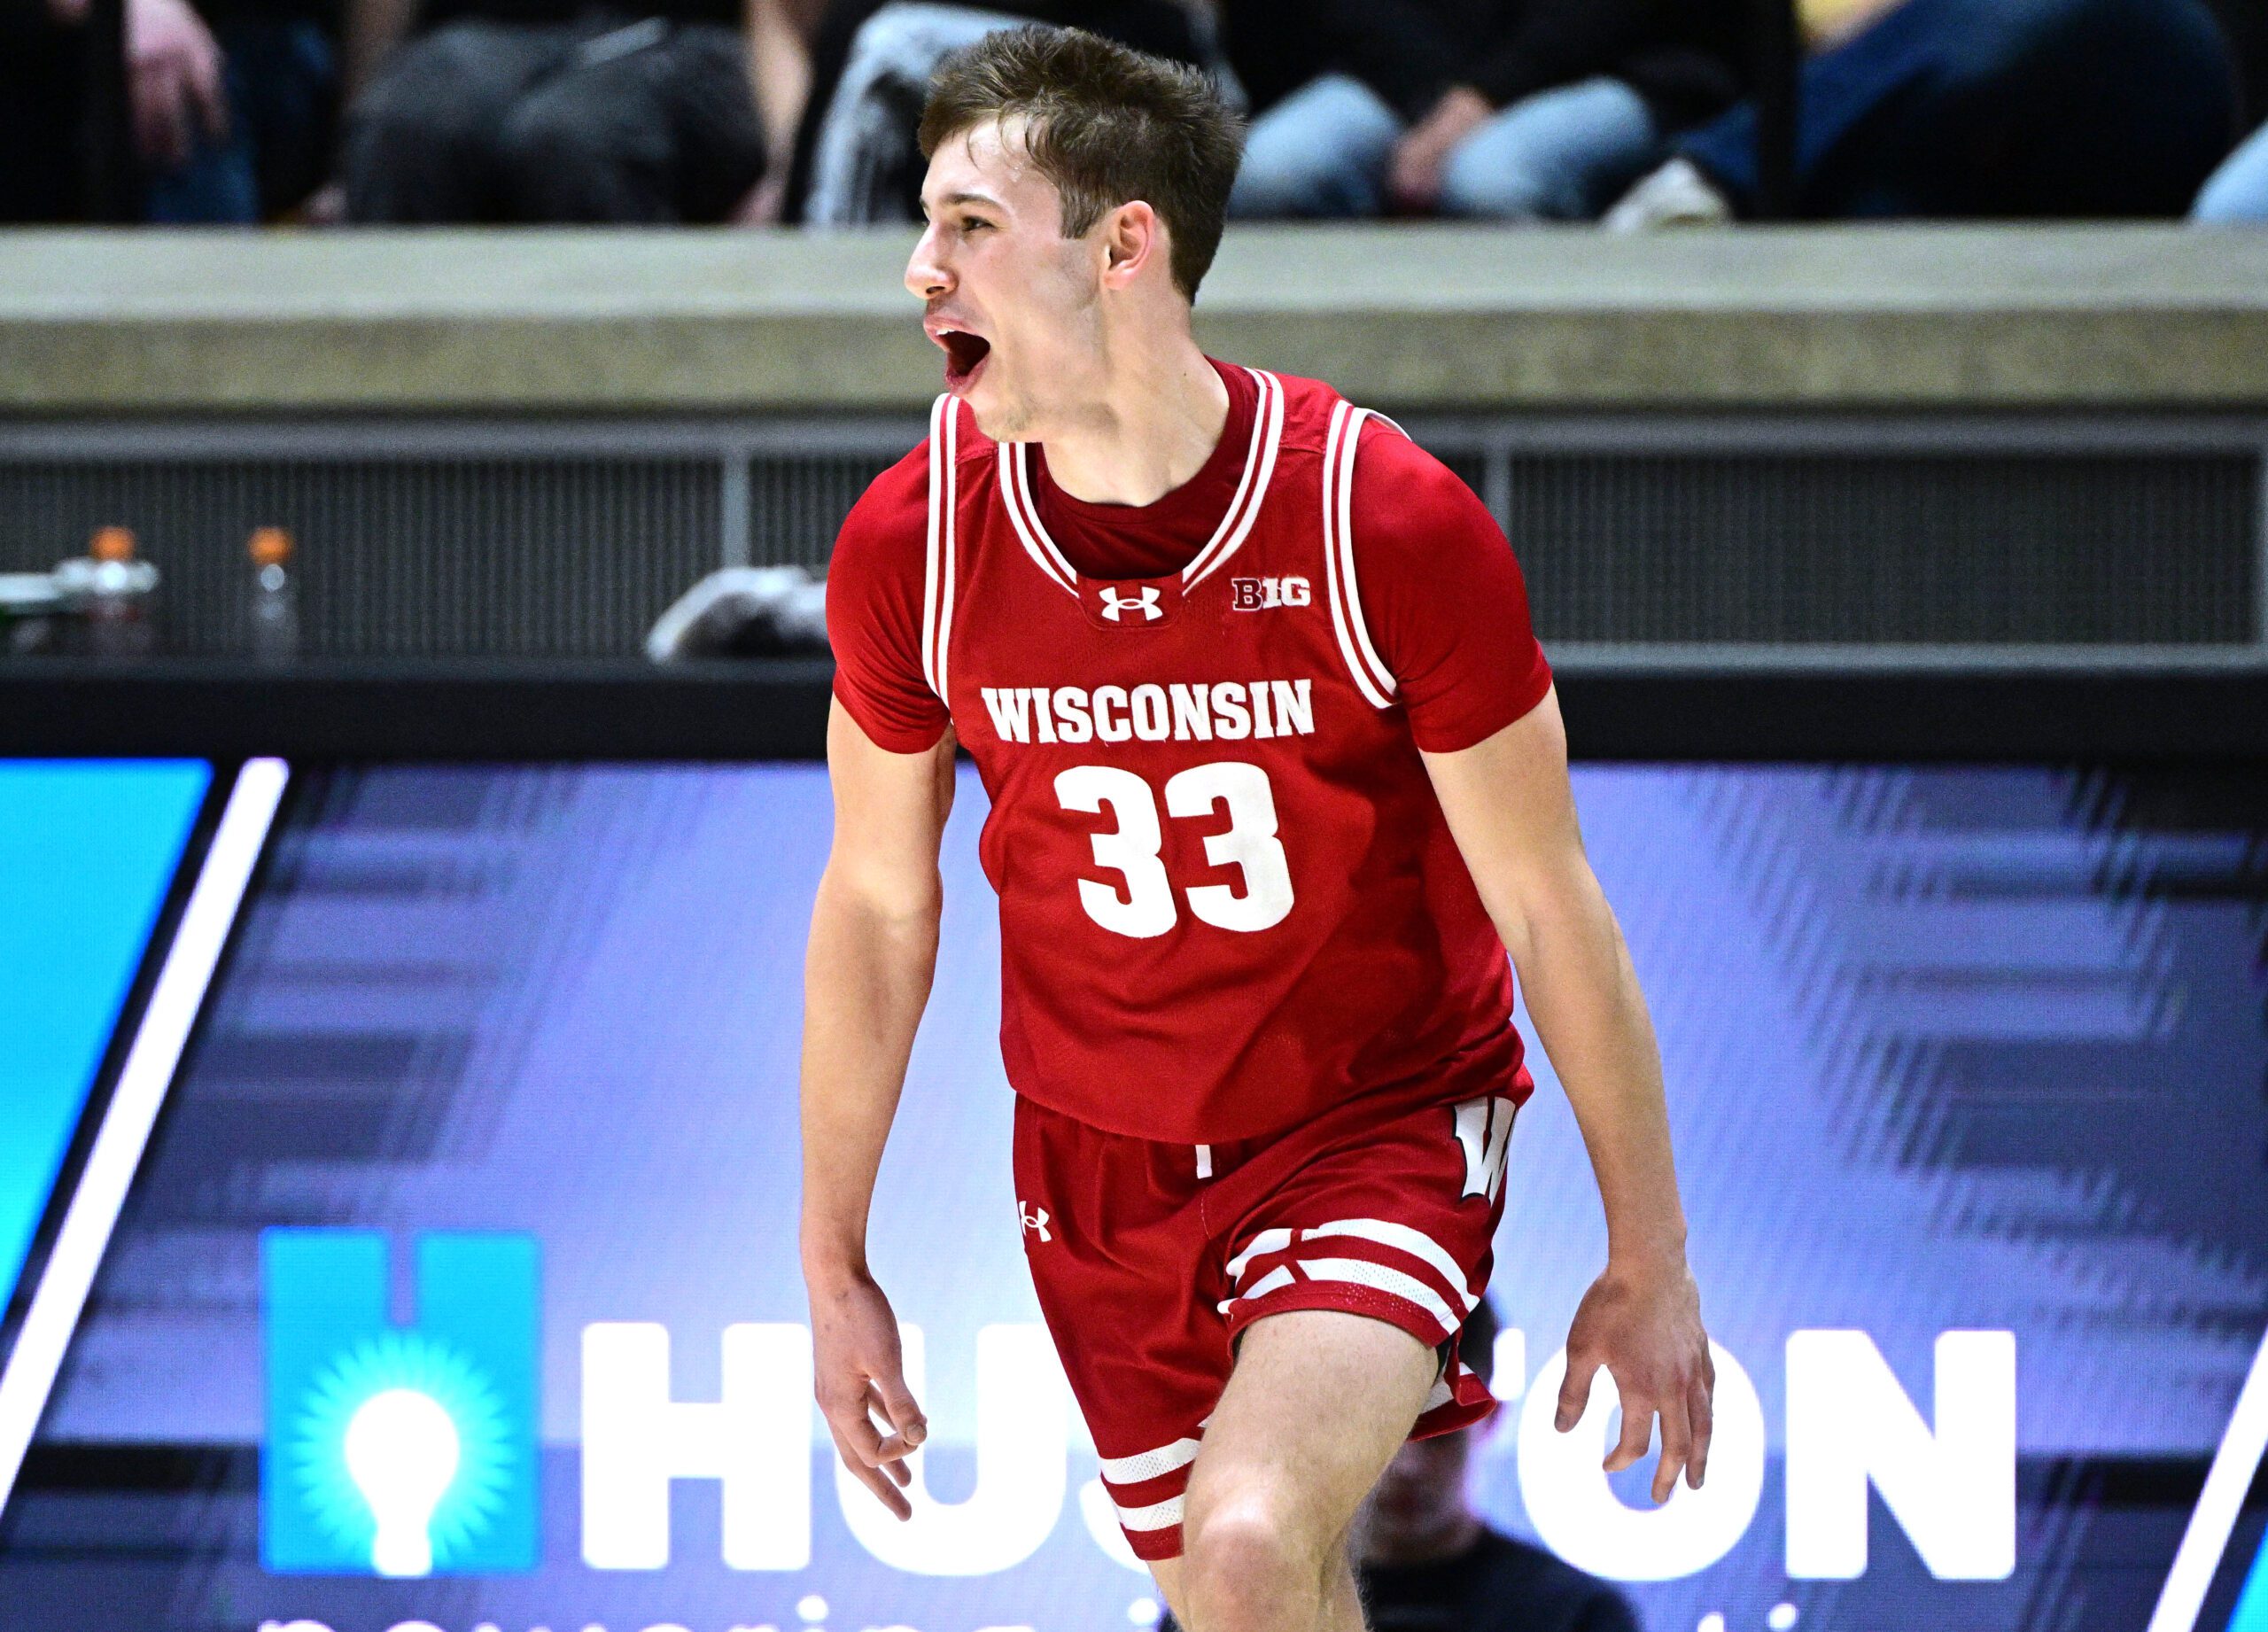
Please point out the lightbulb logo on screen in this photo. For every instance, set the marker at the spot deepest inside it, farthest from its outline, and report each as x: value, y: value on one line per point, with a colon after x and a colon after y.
x: 398, y: 1449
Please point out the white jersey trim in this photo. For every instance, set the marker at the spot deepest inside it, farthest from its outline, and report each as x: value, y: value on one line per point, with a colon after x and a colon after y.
x: 1372, y: 678
x: 938, y: 565
x: 1252, y: 487
x: 1025, y: 516
x: 1236, y: 524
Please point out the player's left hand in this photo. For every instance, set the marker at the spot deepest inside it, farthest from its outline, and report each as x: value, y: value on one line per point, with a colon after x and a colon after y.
x: 1643, y: 1323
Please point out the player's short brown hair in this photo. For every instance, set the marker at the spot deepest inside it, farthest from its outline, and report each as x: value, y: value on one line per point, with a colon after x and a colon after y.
x: 1108, y: 125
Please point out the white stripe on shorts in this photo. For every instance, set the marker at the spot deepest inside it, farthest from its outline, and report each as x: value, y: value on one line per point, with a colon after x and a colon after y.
x: 1262, y: 1243
x: 1158, y: 1515
x: 1363, y: 1272
x: 1277, y: 1278
x: 1416, y: 1243
x: 1149, y: 1464
x: 1386, y: 1232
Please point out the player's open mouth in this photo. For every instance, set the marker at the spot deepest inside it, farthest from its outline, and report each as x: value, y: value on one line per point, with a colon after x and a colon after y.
x: 965, y: 355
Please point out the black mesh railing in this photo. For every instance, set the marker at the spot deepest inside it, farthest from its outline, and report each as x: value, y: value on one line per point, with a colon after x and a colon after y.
x: 568, y: 545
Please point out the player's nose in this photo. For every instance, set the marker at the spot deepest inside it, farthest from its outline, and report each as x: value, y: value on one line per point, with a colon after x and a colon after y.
x: 927, y: 276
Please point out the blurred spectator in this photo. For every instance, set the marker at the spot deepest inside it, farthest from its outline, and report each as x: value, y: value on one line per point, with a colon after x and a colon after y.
x: 41, y: 112
x: 1427, y: 1563
x: 232, y: 103
x: 1973, y: 108
x: 744, y: 612
x: 1512, y: 109
x: 856, y: 158
x: 2238, y: 191
x: 645, y: 112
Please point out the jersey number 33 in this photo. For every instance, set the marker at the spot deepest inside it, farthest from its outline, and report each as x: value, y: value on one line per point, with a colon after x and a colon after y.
x: 1145, y: 905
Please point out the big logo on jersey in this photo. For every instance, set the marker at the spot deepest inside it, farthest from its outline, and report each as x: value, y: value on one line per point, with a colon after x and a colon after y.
x: 1254, y: 594
x: 399, y: 1450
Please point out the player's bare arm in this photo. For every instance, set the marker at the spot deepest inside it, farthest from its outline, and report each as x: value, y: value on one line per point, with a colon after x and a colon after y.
x: 1512, y: 811
x: 873, y: 951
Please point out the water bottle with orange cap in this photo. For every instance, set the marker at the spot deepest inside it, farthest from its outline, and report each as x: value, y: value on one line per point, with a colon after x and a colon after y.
x: 272, y: 611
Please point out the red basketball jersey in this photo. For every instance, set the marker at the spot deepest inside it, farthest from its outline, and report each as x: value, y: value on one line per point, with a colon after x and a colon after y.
x: 1229, y: 899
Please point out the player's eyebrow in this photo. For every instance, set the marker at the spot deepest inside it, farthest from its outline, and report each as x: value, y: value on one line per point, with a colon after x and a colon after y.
x: 951, y: 198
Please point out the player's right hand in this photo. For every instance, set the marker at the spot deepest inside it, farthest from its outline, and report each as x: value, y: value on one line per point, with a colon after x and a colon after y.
x: 859, y: 1375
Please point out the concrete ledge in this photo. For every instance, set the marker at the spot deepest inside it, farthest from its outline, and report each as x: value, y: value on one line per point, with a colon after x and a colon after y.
x: 1443, y: 318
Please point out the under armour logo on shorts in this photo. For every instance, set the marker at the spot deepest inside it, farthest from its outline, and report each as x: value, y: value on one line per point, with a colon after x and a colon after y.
x: 1035, y: 1218
x: 1146, y: 603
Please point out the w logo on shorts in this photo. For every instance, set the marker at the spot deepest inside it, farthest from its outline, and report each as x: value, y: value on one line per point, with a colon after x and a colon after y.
x: 1484, y: 1127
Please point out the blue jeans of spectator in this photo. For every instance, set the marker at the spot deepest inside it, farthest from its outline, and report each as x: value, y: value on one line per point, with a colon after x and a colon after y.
x: 2000, y: 107
x: 2238, y: 191
x: 282, y: 83
x: 1562, y: 154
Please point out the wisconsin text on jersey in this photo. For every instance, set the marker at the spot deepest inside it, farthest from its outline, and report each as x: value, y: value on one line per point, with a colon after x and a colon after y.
x: 1230, y: 710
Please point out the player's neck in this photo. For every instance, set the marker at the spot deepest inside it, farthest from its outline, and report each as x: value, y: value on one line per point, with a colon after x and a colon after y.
x: 1153, y: 423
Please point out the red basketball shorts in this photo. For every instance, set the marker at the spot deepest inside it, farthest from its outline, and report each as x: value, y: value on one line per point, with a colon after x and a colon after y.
x: 1150, y: 1258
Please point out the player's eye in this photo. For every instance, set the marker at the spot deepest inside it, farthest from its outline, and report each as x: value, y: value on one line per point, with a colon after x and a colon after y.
x: 971, y: 223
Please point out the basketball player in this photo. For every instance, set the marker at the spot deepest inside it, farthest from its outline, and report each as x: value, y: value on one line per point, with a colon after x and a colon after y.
x: 1277, y: 777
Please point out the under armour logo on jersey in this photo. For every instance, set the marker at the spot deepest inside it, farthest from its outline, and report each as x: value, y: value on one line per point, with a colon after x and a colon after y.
x: 1035, y: 1218
x: 1253, y: 595
x: 1484, y: 1127
x: 1146, y: 603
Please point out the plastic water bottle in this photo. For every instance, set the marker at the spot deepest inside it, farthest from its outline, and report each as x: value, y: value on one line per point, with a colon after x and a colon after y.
x: 113, y: 590
x: 272, y: 612
x: 29, y: 608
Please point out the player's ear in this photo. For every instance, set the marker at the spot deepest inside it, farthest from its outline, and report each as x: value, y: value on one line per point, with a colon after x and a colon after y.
x: 1133, y: 237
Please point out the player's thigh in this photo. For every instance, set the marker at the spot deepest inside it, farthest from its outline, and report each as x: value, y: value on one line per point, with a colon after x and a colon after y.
x: 1316, y: 1406
x: 1167, y: 1574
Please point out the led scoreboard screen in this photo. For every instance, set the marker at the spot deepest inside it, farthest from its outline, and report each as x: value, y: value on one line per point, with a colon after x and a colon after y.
x: 399, y: 1173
